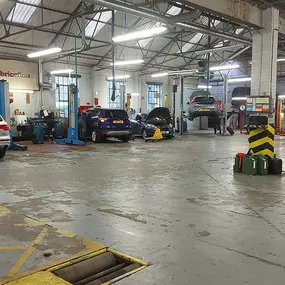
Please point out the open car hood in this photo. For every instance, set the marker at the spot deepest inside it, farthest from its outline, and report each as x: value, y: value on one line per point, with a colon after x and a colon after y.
x: 159, y: 115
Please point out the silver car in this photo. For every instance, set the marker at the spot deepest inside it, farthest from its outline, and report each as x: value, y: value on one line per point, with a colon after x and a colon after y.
x: 4, y: 137
x: 203, y: 106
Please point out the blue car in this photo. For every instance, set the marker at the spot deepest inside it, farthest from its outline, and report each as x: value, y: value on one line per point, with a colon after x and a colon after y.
x: 103, y: 123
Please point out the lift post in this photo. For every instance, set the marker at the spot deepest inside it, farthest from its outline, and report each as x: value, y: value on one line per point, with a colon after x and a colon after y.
x: 225, y: 105
x: 5, y: 112
x: 72, y: 132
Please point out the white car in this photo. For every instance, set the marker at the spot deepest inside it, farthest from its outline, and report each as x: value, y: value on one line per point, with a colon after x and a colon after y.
x: 4, y: 137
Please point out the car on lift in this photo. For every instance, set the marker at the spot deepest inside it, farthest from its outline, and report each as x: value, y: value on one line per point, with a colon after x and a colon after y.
x: 102, y: 123
x: 203, y: 106
x: 4, y: 137
x: 145, y: 124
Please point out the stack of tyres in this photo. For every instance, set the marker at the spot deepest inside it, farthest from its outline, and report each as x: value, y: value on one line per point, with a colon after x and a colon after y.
x: 249, y: 165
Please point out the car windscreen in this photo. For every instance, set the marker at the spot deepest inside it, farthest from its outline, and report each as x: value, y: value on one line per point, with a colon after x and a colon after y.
x: 205, y: 100
x: 115, y: 114
x: 1, y: 119
x: 159, y: 112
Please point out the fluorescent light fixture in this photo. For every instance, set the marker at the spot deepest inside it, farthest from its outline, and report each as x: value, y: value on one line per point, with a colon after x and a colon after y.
x: 162, y: 74
x: 238, y: 80
x: 280, y: 59
x: 128, y: 62
x: 61, y: 71
x: 182, y: 72
x: 204, y: 87
x: 135, y: 94
x: 21, y: 91
x: 44, y: 52
x: 239, y: 98
x: 140, y: 34
x: 281, y: 96
x: 119, y: 77
x: 224, y: 67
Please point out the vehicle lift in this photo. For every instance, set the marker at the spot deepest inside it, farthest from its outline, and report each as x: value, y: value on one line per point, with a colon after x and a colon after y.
x: 5, y: 112
x: 72, y: 131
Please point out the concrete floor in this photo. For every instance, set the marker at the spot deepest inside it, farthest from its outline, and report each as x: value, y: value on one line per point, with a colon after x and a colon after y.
x: 175, y: 203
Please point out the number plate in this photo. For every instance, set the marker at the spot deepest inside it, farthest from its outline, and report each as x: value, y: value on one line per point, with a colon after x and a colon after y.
x: 204, y: 109
x: 118, y: 122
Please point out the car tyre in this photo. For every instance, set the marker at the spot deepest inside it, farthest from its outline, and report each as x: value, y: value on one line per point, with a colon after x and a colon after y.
x: 126, y: 138
x: 144, y: 134
x: 2, y: 152
x: 191, y: 118
x: 95, y: 136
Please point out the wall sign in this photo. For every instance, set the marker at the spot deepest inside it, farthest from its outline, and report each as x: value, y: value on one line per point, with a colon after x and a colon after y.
x: 20, y: 74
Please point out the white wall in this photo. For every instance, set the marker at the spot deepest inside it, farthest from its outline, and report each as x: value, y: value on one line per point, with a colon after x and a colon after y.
x: 47, y: 98
x: 135, y: 84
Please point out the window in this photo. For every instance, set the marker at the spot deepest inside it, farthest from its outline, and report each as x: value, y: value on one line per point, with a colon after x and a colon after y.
x: 154, y: 91
x: 117, y: 103
x: 94, y: 27
x: 22, y: 13
x: 62, y: 94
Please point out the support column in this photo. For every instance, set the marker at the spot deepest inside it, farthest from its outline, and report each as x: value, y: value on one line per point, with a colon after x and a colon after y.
x: 264, y: 56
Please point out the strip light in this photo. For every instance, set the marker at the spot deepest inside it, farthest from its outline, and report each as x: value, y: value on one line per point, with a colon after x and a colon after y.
x: 239, y: 98
x: 138, y: 35
x: 45, y: 52
x: 224, y: 67
x: 281, y: 96
x: 119, y: 77
x: 128, y: 62
x: 162, y: 74
x: 238, y: 80
x: 135, y: 94
x: 204, y: 87
x: 61, y: 71
x: 21, y: 91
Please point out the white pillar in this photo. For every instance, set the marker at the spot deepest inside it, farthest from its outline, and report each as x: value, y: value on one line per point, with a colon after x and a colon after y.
x: 264, y: 56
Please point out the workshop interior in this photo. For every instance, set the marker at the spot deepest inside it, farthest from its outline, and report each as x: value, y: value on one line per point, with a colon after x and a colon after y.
x: 141, y: 142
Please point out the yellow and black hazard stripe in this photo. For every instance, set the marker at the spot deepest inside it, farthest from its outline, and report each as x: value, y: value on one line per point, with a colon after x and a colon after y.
x: 261, y: 141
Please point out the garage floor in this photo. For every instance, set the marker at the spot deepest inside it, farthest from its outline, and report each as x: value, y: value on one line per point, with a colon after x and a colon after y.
x: 175, y: 203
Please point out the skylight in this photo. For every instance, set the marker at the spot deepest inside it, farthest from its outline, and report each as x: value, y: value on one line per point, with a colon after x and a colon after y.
x: 239, y: 30
x: 198, y: 36
x: 22, y: 13
x: 94, y: 27
x: 173, y: 11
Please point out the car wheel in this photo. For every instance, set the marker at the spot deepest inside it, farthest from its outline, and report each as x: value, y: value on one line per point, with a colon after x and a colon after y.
x: 191, y: 118
x: 95, y: 137
x: 144, y: 134
x: 125, y: 138
x: 2, y: 152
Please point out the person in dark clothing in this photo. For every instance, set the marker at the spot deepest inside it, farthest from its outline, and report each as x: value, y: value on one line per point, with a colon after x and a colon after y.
x: 217, y: 124
x: 82, y: 125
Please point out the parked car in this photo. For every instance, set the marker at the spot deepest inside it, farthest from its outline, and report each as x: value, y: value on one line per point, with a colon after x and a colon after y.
x: 203, y: 106
x: 4, y: 137
x: 145, y: 124
x: 102, y: 123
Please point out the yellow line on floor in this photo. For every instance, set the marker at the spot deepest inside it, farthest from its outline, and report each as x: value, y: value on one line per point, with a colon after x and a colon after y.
x: 28, y: 252
x: 13, y: 247
x: 4, y: 211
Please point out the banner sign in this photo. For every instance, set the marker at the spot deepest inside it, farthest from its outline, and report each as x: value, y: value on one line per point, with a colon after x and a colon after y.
x: 20, y: 74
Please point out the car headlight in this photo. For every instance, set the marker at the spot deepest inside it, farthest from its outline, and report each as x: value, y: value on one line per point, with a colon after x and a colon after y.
x: 151, y: 126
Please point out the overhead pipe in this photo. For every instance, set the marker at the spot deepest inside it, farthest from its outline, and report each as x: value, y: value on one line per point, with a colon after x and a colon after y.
x: 217, y: 49
x: 149, y: 14
x: 42, y: 84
